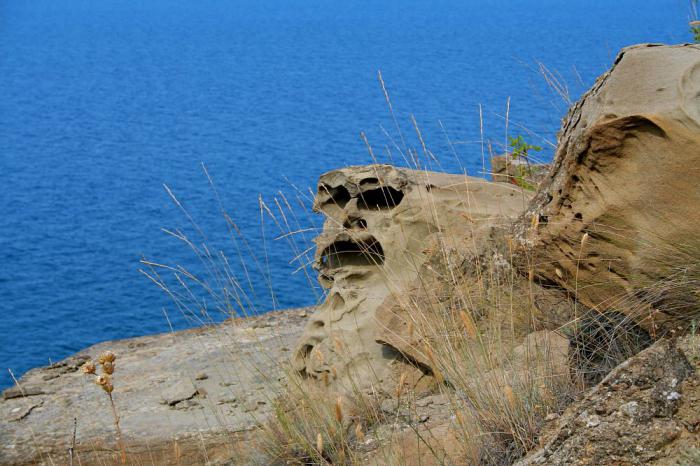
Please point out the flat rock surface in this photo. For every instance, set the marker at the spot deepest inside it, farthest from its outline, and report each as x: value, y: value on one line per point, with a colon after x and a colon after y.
x: 176, y: 395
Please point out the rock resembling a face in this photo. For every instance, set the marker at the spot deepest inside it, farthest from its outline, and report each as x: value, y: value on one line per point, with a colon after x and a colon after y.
x: 378, y: 218
x: 360, y: 258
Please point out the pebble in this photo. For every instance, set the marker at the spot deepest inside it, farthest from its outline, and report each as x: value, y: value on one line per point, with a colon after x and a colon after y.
x: 593, y: 421
x: 390, y: 405
x: 630, y: 409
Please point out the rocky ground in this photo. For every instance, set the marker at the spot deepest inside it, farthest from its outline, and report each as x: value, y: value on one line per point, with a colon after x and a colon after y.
x: 187, y: 397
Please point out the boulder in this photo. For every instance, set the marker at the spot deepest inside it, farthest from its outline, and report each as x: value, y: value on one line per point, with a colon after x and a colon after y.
x: 616, y: 220
x: 379, y: 221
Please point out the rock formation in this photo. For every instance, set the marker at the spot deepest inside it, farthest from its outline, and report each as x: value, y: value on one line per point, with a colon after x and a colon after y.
x: 608, y: 242
x: 616, y: 221
x: 379, y: 222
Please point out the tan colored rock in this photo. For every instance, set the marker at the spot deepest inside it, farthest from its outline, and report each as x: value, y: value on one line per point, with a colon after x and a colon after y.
x: 481, y: 284
x: 378, y: 219
x: 543, y: 353
x: 617, y: 220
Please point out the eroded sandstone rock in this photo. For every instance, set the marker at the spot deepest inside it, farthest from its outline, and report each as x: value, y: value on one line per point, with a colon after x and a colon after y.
x: 616, y: 222
x: 379, y: 220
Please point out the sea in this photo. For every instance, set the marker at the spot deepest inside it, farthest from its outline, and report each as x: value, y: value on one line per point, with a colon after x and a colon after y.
x: 158, y: 157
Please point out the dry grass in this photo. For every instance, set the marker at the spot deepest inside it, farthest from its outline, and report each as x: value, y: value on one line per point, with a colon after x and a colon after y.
x: 473, y: 322
x: 314, y: 426
x: 473, y: 335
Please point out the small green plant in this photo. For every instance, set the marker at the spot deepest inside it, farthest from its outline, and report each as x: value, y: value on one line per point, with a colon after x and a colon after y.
x: 694, y: 23
x: 520, y: 148
x: 695, y: 30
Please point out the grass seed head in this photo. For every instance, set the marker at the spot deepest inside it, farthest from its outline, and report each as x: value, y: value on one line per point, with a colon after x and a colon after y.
x: 460, y: 418
x: 399, y: 386
x: 510, y: 395
x: 318, y: 355
x: 339, y: 410
x: 359, y: 435
x: 468, y: 323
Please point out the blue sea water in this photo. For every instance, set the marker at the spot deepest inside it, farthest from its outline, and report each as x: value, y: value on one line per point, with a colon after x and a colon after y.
x: 102, y: 102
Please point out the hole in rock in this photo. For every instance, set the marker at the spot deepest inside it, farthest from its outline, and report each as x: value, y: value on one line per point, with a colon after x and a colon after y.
x: 578, y: 216
x: 382, y: 198
x: 339, y: 194
x: 352, y: 253
x: 305, y: 350
x: 359, y: 223
x: 367, y: 181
